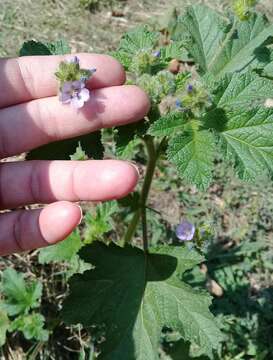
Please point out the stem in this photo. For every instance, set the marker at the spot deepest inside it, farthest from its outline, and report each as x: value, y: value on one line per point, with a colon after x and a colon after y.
x: 153, y: 154
x: 152, y: 158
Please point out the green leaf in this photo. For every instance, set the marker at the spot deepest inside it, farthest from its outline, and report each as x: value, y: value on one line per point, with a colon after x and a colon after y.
x: 63, y: 251
x: 62, y: 150
x: 79, y: 154
x: 244, y: 48
x: 169, y: 124
x: 125, y: 137
x: 4, y: 325
x: 193, y: 154
x: 133, y: 296
x: 244, y: 127
x: 100, y: 223
x: 242, y: 91
x: 219, y: 47
x: 175, y: 50
x: 31, y: 325
x: 138, y: 39
x: 203, y: 31
x: 32, y: 47
x: 19, y: 296
x: 247, y: 139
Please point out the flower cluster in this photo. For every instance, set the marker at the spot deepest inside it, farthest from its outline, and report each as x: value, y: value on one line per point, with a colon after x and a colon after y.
x: 73, y: 81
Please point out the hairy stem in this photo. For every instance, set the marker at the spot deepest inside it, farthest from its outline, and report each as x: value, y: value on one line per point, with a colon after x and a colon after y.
x: 153, y: 154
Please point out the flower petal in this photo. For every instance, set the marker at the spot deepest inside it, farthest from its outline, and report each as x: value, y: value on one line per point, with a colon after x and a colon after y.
x: 67, y: 86
x: 84, y: 94
x: 185, y: 231
x: 74, y: 60
x: 65, y: 97
x: 77, y: 102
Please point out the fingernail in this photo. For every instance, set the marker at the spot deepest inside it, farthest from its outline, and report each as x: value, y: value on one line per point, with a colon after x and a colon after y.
x: 81, y: 214
x: 136, y: 167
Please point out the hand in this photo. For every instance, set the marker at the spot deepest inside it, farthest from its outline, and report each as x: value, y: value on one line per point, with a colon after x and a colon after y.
x: 31, y: 115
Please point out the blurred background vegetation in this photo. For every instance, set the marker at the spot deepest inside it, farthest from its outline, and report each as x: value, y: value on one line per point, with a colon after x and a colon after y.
x: 238, y: 272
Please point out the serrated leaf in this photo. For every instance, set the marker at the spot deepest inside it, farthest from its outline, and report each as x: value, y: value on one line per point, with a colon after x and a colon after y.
x: 63, y: 251
x: 133, y: 296
x: 247, y: 138
x: 79, y: 154
x: 4, y: 325
x: 31, y: 325
x: 138, y: 39
x: 219, y: 47
x: 99, y: 223
x: 62, y: 150
x: 175, y: 50
x: 193, y: 154
x: 33, y: 47
x: 169, y: 124
x: 203, y: 30
x: 242, y: 90
x: 244, y: 48
x: 19, y: 296
x: 125, y: 137
x: 124, y: 58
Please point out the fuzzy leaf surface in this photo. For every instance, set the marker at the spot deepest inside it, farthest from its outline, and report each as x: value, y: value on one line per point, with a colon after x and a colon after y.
x: 101, y: 222
x: 133, y: 296
x: 242, y: 90
x: 138, y: 39
x: 31, y: 325
x: 169, y: 124
x: 62, y: 251
x: 33, y: 47
x: 203, y: 31
x: 4, y: 325
x: 219, y: 47
x: 193, y: 154
x: 247, y: 139
x: 19, y: 296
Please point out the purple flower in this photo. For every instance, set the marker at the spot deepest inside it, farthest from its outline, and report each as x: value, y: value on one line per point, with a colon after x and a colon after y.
x: 74, y: 93
x: 74, y: 60
x: 185, y: 231
x: 190, y: 88
x: 157, y: 53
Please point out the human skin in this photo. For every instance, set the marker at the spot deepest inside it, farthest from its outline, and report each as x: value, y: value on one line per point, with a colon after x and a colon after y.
x: 31, y: 115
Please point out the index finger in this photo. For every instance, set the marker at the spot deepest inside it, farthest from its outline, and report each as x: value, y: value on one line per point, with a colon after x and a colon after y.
x: 32, y: 77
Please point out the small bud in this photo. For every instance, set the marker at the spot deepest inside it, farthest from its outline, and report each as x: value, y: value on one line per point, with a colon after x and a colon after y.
x: 174, y: 66
x: 190, y: 88
x: 178, y: 104
x: 157, y: 53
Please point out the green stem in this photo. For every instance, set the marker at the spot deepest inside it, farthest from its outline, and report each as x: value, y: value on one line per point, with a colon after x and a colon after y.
x: 153, y: 154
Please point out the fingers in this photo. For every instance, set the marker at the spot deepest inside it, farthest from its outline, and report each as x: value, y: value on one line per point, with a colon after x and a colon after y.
x: 32, y: 77
x: 26, y: 126
x: 25, y: 230
x: 47, y: 181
